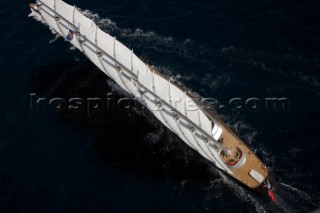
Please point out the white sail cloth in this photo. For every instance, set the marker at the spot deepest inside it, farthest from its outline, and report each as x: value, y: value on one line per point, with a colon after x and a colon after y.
x: 171, y: 105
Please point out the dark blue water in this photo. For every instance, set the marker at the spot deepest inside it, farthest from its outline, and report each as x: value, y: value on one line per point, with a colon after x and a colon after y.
x: 124, y: 160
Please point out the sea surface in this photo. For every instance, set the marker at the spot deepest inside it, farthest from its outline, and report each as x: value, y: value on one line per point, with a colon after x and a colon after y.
x: 124, y: 160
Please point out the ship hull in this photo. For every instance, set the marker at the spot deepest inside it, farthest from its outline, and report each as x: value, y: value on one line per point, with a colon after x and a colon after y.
x: 177, y: 109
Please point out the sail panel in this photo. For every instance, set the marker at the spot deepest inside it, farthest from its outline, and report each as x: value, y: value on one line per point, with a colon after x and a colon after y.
x: 162, y: 120
x: 105, y: 42
x: 198, y: 146
x: 128, y: 81
x: 132, y: 85
x: 64, y: 10
x: 177, y: 98
x: 90, y: 52
x: 123, y: 55
x: 49, y: 3
x: 63, y: 27
x: 192, y: 110
x: 185, y: 128
x: 206, y: 124
x: 150, y: 101
x: 146, y: 79
x: 110, y: 70
x: 161, y: 87
x: 48, y: 16
x: 157, y: 113
x: 107, y: 64
x: 176, y: 123
x: 169, y: 115
x: 188, y: 135
x: 79, y: 18
x: 89, y: 32
x: 138, y: 65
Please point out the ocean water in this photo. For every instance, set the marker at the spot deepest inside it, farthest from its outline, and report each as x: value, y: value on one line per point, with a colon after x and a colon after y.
x: 124, y: 160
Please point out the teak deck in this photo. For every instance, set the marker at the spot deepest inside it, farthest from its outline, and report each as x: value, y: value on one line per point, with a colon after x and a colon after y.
x: 252, y: 161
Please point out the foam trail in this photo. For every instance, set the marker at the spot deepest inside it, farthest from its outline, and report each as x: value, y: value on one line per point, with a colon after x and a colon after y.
x: 242, y: 194
x: 116, y: 88
x: 72, y: 48
x: 300, y: 193
x: 136, y: 38
x: 57, y: 36
x: 249, y: 197
x: 280, y: 203
x: 36, y: 17
x: 154, y: 137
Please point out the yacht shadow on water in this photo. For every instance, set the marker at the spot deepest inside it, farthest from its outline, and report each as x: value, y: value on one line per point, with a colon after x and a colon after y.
x: 125, y: 137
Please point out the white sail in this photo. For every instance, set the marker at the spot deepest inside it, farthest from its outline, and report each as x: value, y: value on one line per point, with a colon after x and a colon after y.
x: 48, y: 3
x: 104, y: 41
x: 64, y: 10
x: 48, y: 15
x: 170, y: 105
x: 79, y: 18
x: 123, y: 55
x: 177, y: 99
x: 138, y: 65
